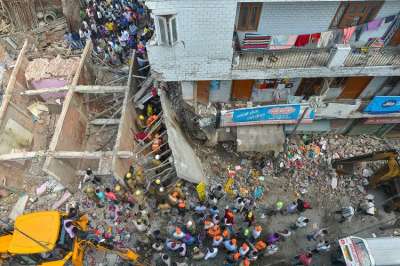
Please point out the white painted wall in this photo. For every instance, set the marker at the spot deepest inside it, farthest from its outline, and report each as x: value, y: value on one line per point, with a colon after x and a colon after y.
x: 296, y: 18
x: 204, y: 49
x: 205, y: 30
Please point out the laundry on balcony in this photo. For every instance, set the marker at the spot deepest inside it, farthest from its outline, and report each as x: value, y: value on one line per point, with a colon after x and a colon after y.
x: 280, y: 42
x: 303, y: 40
x: 253, y: 42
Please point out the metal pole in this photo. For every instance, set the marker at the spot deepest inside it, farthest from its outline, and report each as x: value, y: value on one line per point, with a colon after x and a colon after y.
x: 299, y: 121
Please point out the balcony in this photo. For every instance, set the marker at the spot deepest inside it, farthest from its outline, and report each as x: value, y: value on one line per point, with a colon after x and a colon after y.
x: 317, y: 62
x: 301, y: 58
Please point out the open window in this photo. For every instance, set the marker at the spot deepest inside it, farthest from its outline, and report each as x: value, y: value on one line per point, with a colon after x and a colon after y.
x: 166, y: 27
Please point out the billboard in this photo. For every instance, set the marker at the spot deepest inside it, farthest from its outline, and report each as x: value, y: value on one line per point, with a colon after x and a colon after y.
x: 269, y: 114
x: 383, y: 105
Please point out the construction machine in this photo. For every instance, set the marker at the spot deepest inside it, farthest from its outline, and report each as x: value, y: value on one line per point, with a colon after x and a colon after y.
x: 387, y: 176
x: 40, y: 238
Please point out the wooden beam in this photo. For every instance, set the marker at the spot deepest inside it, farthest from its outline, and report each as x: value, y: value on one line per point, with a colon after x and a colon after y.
x: 11, y: 82
x: 21, y: 155
x: 100, y: 89
x: 80, y: 154
x: 125, y: 154
x: 86, y: 52
x: 79, y: 88
x: 44, y: 91
x: 59, y: 155
x: 107, y: 122
x: 64, y: 155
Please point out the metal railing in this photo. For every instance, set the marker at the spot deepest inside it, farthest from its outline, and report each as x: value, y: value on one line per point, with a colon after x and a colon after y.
x: 290, y: 58
x: 318, y: 57
x: 387, y: 56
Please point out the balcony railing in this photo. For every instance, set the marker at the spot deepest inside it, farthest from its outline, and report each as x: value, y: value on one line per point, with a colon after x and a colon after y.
x: 319, y: 57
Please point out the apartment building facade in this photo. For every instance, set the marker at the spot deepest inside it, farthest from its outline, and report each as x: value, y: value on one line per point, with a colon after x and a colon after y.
x: 329, y: 66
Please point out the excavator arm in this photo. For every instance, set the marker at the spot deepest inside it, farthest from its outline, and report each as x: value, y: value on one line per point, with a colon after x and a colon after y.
x: 386, y: 173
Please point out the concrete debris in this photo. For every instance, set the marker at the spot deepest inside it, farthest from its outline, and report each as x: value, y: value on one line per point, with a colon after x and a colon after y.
x: 19, y: 207
x: 61, y: 201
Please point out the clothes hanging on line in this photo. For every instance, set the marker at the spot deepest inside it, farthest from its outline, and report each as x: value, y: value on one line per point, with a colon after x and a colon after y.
x: 302, y: 40
x: 347, y: 33
x: 314, y: 38
x: 389, y: 19
x: 325, y: 39
x: 375, y: 24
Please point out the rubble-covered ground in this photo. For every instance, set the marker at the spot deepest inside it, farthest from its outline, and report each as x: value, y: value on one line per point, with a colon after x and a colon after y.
x: 303, y: 171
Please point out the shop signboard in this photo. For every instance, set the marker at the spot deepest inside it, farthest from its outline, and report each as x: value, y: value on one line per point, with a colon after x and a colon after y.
x: 269, y: 114
x: 380, y: 121
x: 383, y: 105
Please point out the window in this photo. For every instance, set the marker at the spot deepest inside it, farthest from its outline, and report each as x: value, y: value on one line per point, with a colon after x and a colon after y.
x: 167, y: 33
x: 249, y: 16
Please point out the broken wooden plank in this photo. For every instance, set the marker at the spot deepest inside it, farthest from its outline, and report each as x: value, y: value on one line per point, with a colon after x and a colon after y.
x: 146, y: 84
x: 79, y: 154
x: 19, y: 207
x: 79, y: 88
x: 108, y: 122
x: 56, y: 154
x: 100, y: 89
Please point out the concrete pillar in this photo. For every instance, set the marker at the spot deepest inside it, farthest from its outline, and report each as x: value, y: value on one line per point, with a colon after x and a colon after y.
x: 71, y: 9
x: 339, y: 56
x: 188, y: 91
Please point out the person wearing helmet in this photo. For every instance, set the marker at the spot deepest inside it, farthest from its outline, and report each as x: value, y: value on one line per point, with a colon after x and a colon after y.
x: 249, y: 218
x: 231, y: 245
x: 156, y: 161
x: 141, y: 122
x: 155, y: 186
x: 91, y: 194
x: 256, y: 232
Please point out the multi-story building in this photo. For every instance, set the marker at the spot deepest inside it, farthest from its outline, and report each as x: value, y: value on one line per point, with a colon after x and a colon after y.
x: 310, y: 65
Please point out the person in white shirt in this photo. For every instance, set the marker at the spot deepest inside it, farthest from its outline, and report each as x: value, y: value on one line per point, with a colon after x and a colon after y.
x: 302, y: 222
x: 323, y: 246
x: 211, y: 253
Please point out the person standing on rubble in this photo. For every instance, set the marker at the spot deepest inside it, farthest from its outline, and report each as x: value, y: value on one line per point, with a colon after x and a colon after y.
x: 346, y: 213
x: 249, y: 218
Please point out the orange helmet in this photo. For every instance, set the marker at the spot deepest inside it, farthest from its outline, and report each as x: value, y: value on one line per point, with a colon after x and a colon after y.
x: 217, y: 237
x: 225, y: 233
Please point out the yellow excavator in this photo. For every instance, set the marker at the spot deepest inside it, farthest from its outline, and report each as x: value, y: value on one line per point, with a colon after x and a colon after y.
x: 40, y: 238
x: 386, y: 176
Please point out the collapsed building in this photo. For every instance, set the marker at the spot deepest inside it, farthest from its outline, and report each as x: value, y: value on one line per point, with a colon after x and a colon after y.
x: 55, y: 119
x: 256, y: 69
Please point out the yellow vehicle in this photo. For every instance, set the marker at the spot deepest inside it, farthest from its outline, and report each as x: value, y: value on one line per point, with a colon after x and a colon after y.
x: 40, y: 239
x: 388, y: 176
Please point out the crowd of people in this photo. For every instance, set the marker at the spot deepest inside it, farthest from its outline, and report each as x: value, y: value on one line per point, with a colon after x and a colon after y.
x: 205, y: 229
x: 116, y: 28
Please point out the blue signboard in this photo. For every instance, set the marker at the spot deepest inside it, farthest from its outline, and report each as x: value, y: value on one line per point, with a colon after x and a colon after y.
x: 286, y: 112
x: 383, y: 105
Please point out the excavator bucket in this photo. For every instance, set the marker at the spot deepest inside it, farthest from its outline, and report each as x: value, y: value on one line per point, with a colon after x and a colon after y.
x: 130, y: 255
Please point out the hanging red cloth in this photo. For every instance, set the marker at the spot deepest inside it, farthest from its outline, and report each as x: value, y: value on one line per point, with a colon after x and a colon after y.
x: 315, y: 37
x: 302, y: 40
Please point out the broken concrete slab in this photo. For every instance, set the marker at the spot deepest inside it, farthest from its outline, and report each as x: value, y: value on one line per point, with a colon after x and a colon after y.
x: 19, y: 207
x: 62, y: 200
x: 187, y: 164
x: 262, y: 138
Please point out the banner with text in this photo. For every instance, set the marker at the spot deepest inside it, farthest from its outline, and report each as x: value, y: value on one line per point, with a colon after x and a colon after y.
x: 383, y: 105
x: 269, y: 114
